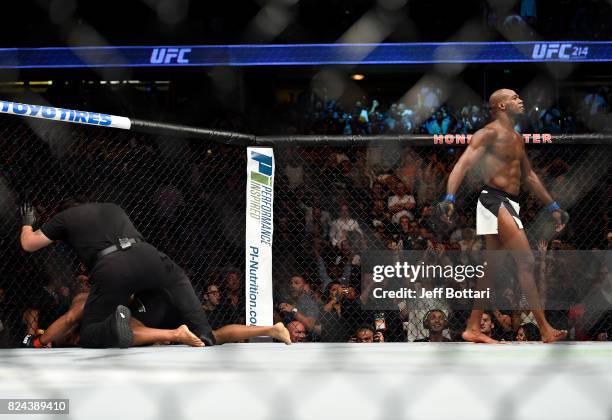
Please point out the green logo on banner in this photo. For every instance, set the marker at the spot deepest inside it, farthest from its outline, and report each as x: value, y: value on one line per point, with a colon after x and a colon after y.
x: 262, y: 179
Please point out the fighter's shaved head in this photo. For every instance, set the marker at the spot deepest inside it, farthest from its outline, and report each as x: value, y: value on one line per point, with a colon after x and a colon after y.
x: 498, y: 97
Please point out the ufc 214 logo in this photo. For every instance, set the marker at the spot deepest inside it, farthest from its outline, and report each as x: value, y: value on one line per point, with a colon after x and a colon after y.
x: 559, y: 51
x: 170, y: 56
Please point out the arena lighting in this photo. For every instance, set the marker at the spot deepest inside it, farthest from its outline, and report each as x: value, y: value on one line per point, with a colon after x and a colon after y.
x: 306, y: 54
x: 357, y: 76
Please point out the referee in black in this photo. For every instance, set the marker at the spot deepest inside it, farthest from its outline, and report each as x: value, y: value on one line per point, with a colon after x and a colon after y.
x: 120, y: 263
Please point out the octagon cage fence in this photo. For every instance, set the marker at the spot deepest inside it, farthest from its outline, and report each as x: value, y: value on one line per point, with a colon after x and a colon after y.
x: 336, y: 197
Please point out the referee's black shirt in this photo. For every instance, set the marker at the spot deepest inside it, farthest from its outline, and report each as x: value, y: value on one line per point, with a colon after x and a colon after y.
x: 89, y: 228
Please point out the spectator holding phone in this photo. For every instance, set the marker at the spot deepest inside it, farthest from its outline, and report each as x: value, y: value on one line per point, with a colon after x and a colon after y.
x: 339, y: 314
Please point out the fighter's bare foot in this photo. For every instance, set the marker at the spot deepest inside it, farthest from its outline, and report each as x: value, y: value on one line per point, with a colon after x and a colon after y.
x: 281, y: 333
x: 184, y: 336
x: 553, y: 335
x: 477, y: 337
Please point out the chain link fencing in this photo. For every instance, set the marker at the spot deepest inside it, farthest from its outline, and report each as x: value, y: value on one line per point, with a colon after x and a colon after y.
x: 332, y: 205
x: 186, y: 197
x: 336, y: 204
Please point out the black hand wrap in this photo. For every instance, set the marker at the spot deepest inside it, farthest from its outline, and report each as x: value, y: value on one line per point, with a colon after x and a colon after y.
x: 444, y: 208
x: 27, y: 214
x: 564, y: 216
x: 555, y: 207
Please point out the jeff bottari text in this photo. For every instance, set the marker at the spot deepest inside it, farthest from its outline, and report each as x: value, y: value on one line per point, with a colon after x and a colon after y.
x: 435, y: 293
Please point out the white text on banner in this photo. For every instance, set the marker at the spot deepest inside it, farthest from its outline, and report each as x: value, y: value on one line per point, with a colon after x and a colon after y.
x: 63, y: 114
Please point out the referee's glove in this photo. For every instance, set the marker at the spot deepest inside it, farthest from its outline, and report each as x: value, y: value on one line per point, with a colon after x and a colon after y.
x: 27, y: 214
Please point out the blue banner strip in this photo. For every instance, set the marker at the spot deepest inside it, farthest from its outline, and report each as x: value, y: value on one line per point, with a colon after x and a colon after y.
x: 305, y: 54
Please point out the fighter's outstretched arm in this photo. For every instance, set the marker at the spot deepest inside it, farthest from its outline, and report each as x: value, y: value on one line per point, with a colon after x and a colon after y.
x: 473, y: 153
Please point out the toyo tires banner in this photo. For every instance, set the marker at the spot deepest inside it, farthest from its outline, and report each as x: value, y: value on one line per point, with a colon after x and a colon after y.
x: 65, y: 115
x: 259, y: 227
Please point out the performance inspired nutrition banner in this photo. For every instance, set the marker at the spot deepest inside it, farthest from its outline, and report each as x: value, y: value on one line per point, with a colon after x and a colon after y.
x: 306, y: 54
x: 259, y: 227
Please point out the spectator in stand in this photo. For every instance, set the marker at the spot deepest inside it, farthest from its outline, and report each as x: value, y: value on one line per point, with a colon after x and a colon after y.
x: 409, y: 168
x: 379, y: 214
x: 361, y: 123
x: 469, y: 244
x: 315, y: 215
x: 429, y: 97
x: 293, y: 169
x: 595, y: 102
x: 377, y: 123
x: 439, y: 124
x: 297, y: 331
x: 343, y: 225
x: 339, y: 314
x: 407, y: 119
x: 168, y: 200
x: 418, y: 309
x: 401, y: 203
x: 362, y: 198
x: 464, y: 122
x: 427, y: 220
x: 391, y: 120
x: 597, y: 317
x: 549, y: 120
x: 405, y: 235
x: 491, y: 326
x: 596, y: 111
x: 426, y: 238
x: 528, y: 332
x: 366, y: 334
x: 211, y: 303
x: 477, y: 118
x: 430, y: 177
x: 486, y: 324
x: 379, y: 236
x: 343, y: 178
x: 299, y: 305
x: 339, y: 271
x: 378, y: 192
x: 436, y: 323
x: 232, y: 299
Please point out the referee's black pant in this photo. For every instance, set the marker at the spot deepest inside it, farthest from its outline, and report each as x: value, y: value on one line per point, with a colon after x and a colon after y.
x: 115, y: 277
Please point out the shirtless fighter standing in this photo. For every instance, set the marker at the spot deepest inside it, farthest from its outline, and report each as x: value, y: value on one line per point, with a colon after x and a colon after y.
x: 500, y: 153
